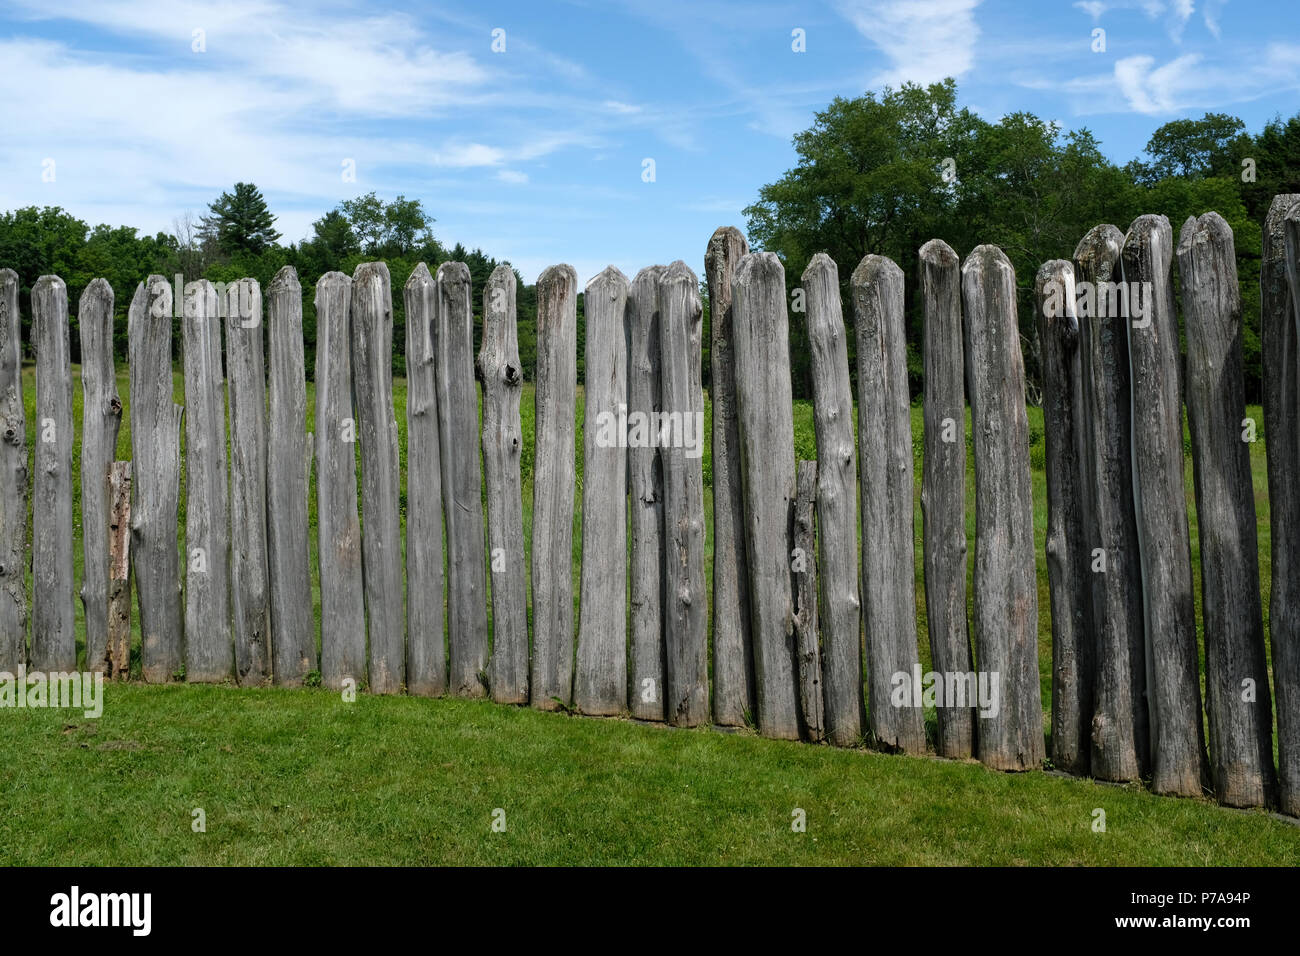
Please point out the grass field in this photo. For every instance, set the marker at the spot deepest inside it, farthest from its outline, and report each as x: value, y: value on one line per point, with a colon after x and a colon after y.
x: 302, y: 777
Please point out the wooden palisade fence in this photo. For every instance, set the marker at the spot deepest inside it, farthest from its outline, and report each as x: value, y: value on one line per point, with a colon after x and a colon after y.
x: 814, y: 570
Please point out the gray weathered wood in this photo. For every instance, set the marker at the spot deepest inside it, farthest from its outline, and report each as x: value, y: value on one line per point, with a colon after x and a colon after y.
x: 381, y: 545
x: 101, y: 418
x: 343, y: 609
x: 551, y: 682
x: 1241, y: 722
x: 600, y: 675
x: 943, y: 486
x: 502, y: 377
x: 646, y: 500
x: 888, y: 537
x: 686, y: 599
x: 250, y: 582
x: 462, y: 481
x: 1178, y: 762
x: 1068, y: 577
x: 1280, y: 333
x: 1006, y: 591
x: 812, y: 701
x: 288, y: 470
x: 53, y: 638
x: 426, y: 653
x: 13, y: 483
x: 156, y: 453
x: 209, y: 644
x: 765, y: 417
x: 54, y: 646
x: 733, y: 657
x: 1120, y: 732
x: 840, y: 606
x: 117, y: 640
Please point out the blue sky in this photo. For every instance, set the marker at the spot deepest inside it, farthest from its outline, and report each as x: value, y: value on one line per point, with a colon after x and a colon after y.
x: 536, y: 153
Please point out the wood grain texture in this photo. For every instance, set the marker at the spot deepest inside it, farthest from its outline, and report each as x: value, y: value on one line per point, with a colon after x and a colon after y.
x: 600, y: 675
x: 13, y: 482
x: 118, y: 639
x: 1280, y: 334
x: 804, y: 566
x: 101, y: 419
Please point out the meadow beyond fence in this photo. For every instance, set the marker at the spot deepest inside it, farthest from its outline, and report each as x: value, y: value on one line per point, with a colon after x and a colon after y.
x: 434, y: 579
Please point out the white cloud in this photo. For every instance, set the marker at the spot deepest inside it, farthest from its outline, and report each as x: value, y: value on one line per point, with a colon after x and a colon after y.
x: 924, y: 40
x: 1094, y: 8
x: 1211, y: 15
x: 623, y: 109
x: 465, y: 155
x: 512, y: 176
x: 1159, y: 90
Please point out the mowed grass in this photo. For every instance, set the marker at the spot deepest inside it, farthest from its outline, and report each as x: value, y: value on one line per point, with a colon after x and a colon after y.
x: 290, y: 777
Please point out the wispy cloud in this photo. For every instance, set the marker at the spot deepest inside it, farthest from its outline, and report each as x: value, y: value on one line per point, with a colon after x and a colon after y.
x: 924, y: 40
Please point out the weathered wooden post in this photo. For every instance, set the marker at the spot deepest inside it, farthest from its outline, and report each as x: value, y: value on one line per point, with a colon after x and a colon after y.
x: 156, y: 452
x: 54, y: 646
x: 686, y: 599
x: 553, y: 480
x: 13, y: 483
x: 462, y: 480
x: 646, y: 499
x: 426, y: 653
x: 209, y: 642
x: 1178, y: 764
x: 836, y: 471
x: 765, y: 418
x: 1069, y: 580
x: 812, y: 701
x: 600, y: 677
x: 288, y: 470
x: 1236, y: 679
x: 118, y: 544
x: 1120, y: 733
x: 1006, y: 590
x: 733, y: 658
x: 249, y: 574
x: 101, y: 418
x: 943, y: 487
x: 343, y: 609
x: 1280, y: 296
x: 888, y: 548
x: 502, y: 375
x: 381, y: 545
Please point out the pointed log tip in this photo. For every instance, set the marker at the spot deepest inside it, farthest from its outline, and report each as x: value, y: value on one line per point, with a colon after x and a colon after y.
x: 679, y: 271
x: 652, y: 274
x: 1100, y: 244
x: 1209, y: 227
x: 1146, y: 225
x: 331, y: 280
x: 286, y: 278
x: 95, y: 289
x: 718, y: 242
x: 1284, y: 206
x: 48, y: 281
x: 820, y: 263
x: 982, y: 257
x: 939, y: 253
x: 560, y: 274
x: 611, y: 276
x: 420, y: 276
x: 873, y: 268
x: 504, y: 274
x: 759, y: 267
x: 370, y: 271
x: 453, y: 272
x: 8, y: 275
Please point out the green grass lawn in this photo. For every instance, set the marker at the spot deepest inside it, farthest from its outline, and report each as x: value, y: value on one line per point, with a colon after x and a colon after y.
x: 303, y: 777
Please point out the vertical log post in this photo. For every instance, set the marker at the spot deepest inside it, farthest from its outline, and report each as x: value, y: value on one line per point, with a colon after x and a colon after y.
x: 1120, y: 732
x: 101, y: 418
x: 600, y: 677
x: 1069, y: 580
x: 209, y: 644
x: 13, y: 483
x: 551, y: 682
x: 686, y: 602
x: 888, y: 536
x: 813, y: 704
x: 1006, y: 589
x: 1241, y: 722
x: 381, y: 545
x: 1178, y: 763
x: 249, y: 564
x: 343, y: 609
x: 54, y: 646
x: 733, y: 658
x: 765, y: 418
x: 118, y: 545
x: 646, y: 499
x: 156, y: 452
x: 462, y: 480
x: 943, y: 488
x: 288, y: 470
x: 502, y: 376
x: 426, y: 663
x: 1281, y: 349
x: 836, y: 471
